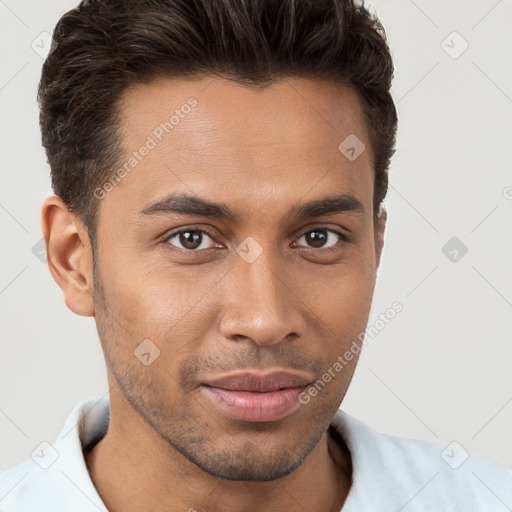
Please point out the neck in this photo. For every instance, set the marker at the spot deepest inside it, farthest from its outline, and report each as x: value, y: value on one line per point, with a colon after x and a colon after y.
x: 134, y: 469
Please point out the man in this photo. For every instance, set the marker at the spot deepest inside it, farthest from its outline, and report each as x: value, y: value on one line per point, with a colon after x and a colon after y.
x: 219, y: 169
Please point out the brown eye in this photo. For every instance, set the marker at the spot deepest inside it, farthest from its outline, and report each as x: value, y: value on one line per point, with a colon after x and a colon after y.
x: 320, y: 238
x: 190, y: 239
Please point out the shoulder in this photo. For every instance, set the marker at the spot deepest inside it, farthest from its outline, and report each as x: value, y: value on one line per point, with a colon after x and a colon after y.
x: 21, y: 484
x: 55, y: 478
x: 391, y: 472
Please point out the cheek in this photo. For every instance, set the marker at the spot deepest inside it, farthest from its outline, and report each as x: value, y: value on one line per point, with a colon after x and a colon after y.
x: 170, y: 305
x: 341, y: 295
x: 340, y: 313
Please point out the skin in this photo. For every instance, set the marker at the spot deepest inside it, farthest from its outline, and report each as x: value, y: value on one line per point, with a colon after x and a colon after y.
x: 297, y: 306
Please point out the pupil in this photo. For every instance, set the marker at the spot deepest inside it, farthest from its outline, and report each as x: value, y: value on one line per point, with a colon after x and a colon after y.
x: 316, y: 238
x: 191, y: 239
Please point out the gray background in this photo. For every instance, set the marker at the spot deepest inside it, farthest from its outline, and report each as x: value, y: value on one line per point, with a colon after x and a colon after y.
x: 442, y: 369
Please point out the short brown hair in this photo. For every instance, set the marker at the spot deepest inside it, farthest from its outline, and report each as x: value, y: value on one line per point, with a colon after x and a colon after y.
x: 103, y: 46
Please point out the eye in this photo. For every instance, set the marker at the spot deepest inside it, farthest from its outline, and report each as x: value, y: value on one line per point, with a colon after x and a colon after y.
x: 321, y: 238
x: 191, y: 240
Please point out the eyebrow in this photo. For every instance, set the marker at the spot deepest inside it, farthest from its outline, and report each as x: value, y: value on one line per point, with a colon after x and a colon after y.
x: 185, y: 204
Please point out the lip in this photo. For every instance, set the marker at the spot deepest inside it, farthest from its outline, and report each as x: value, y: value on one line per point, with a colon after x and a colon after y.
x: 252, y: 396
x: 260, y: 382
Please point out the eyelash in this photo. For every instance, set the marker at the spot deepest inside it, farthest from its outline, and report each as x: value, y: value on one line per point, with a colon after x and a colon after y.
x: 344, y: 239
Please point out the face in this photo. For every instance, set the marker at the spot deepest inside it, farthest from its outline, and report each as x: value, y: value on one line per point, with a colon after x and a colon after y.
x: 218, y: 252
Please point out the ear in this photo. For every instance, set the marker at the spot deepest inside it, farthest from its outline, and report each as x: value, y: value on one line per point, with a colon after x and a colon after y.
x: 69, y: 255
x: 380, y: 227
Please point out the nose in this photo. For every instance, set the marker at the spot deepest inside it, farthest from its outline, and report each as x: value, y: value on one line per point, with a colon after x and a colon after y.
x: 261, y: 304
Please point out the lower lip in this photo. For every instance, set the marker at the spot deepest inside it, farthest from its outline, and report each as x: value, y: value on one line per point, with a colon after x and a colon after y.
x: 254, y: 406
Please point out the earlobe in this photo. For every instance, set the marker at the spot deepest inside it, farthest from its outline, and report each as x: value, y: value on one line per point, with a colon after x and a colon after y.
x: 69, y: 255
x: 379, y: 234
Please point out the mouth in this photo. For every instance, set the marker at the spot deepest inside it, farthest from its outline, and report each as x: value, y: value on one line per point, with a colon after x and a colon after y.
x: 256, y: 397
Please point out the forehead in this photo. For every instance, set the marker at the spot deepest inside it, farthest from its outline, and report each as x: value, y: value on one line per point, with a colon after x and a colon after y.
x: 231, y: 113
x: 212, y: 135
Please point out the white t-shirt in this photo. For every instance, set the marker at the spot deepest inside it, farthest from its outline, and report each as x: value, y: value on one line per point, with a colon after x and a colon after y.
x: 390, y: 474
